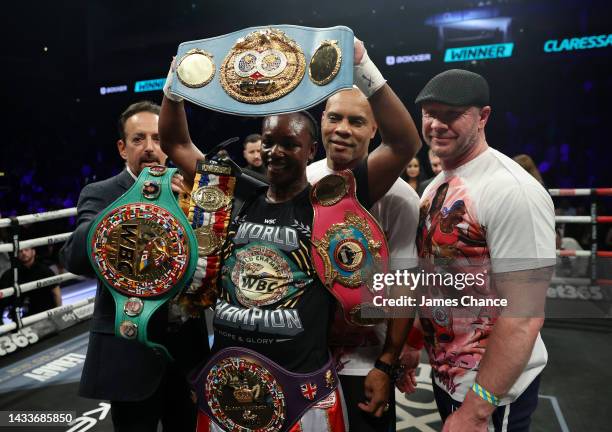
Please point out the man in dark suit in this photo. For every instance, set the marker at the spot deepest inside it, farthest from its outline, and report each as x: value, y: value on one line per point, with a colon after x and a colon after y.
x: 143, y: 387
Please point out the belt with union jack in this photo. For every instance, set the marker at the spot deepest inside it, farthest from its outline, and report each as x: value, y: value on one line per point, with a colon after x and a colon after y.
x: 242, y: 390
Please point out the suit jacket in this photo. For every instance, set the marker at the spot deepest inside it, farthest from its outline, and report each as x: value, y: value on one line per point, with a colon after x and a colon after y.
x: 119, y: 369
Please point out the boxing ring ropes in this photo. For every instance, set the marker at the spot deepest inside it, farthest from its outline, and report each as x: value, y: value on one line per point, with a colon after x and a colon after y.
x: 593, y: 220
x: 17, y: 289
x: 13, y: 335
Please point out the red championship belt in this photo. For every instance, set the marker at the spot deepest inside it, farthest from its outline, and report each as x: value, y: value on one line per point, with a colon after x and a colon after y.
x: 348, y: 247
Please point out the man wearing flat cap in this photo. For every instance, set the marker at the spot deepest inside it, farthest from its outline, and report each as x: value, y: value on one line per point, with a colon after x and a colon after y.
x: 482, y: 210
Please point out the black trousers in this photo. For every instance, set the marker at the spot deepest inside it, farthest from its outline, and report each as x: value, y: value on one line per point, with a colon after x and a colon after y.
x: 515, y: 417
x: 359, y: 421
x: 171, y: 404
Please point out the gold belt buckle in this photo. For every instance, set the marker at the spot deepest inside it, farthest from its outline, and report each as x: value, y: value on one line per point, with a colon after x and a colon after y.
x: 143, y: 253
x: 244, y: 394
x: 211, y: 198
x: 208, y: 241
x: 330, y: 190
x: 262, y: 67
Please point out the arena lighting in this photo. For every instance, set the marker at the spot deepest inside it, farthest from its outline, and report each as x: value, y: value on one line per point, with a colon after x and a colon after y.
x: 479, y: 52
x: 464, y: 15
x: 411, y: 58
x: 480, y: 25
x: 113, y: 89
x: 149, y: 85
x: 578, y: 43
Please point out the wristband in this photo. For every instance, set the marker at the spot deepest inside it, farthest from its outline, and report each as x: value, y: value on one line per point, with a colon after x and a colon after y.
x: 485, y: 394
x: 367, y: 77
x: 168, y: 84
x: 393, y: 371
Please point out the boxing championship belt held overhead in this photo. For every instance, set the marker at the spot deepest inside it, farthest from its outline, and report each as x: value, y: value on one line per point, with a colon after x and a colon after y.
x: 265, y: 70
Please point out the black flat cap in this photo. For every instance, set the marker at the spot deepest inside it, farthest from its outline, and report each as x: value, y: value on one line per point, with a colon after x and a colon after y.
x: 456, y: 87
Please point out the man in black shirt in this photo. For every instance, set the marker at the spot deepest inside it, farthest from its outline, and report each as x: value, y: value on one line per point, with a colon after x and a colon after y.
x: 29, y: 270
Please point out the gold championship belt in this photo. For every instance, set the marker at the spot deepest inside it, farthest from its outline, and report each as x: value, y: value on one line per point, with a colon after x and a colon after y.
x: 210, y: 213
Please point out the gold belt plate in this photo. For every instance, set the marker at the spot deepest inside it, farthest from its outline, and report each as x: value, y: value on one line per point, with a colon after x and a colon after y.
x: 263, y: 66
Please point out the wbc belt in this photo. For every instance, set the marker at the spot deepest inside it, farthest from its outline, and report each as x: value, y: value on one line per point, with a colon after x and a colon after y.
x: 143, y: 250
x: 265, y: 70
x: 241, y: 390
x: 348, y: 247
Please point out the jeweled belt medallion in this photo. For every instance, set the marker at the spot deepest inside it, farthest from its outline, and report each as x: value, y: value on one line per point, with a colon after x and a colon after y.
x: 141, y: 249
x: 262, y: 67
x: 243, y: 394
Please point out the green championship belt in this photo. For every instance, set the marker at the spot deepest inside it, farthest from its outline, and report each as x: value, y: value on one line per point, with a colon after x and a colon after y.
x: 144, y: 251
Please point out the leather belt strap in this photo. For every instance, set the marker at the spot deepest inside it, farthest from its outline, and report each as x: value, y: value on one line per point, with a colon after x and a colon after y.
x: 240, y: 389
x: 348, y: 247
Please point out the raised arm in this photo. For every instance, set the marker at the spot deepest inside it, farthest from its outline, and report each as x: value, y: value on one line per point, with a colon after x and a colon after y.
x: 400, y: 137
x: 174, y: 134
x: 400, y: 141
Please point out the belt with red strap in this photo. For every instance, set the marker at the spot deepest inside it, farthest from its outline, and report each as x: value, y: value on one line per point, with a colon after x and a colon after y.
x: 348, y: 247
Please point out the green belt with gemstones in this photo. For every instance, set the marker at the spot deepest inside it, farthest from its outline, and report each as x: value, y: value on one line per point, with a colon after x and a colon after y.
x: 144, y: 251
